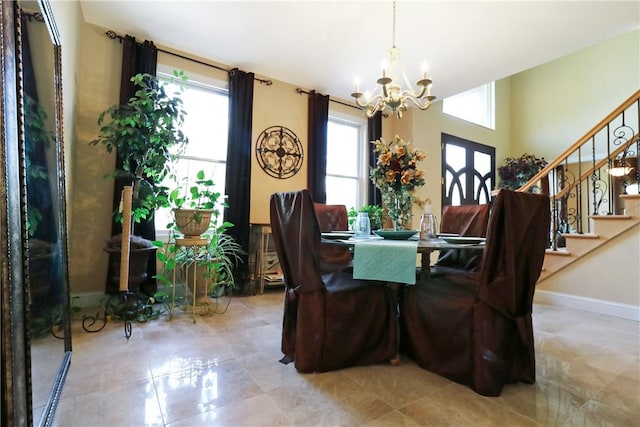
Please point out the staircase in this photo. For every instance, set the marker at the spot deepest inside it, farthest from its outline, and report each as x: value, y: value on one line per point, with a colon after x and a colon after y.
x: 593, y: 191
x: 605, y: 228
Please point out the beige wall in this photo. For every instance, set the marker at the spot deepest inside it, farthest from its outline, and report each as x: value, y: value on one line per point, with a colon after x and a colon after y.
x: 424, y: 129
x: 275, y: 105
x: 97, y: 83
x: 557, y: 103
x: 589, y: 276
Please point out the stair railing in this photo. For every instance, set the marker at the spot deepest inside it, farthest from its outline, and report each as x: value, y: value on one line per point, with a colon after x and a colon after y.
x: 588, y: 178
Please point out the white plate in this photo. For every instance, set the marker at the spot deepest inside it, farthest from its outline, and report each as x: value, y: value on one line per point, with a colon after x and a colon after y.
x: 462, y: 240
x: 336, y: 236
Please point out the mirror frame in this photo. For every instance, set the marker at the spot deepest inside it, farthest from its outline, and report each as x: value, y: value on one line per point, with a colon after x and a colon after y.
x: 16, y: 406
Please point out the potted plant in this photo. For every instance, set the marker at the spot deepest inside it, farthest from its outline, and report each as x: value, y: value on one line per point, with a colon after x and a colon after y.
x: 214, y: 253
x: 375, y: 215
x: 139, y: 252
x: 516, y: 172
x: 195, y: 205
x: 146, y: 132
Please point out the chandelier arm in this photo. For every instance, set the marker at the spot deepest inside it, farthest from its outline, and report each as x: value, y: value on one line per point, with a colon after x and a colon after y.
x: 410, y: 92
x: 421, y: 103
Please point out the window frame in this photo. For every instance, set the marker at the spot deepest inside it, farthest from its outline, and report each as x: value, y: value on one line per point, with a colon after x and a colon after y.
x: 165, y: 73
x: 362, y: 167
x: 487, y: 93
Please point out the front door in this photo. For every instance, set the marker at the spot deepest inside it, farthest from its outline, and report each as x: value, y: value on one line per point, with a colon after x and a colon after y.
x: 467, y: 171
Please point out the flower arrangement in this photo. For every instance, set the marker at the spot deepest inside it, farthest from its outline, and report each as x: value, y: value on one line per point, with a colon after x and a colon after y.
x: 518, y: 171
x: 396, y: 175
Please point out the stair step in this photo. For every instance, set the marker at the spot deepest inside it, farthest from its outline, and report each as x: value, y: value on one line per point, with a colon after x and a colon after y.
x: 610, y: 217
x: 630, y: 196
x: 559, y: 252
x: 581, y: 236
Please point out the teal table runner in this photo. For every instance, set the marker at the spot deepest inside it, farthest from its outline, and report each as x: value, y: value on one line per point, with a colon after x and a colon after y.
x: 387, y: 260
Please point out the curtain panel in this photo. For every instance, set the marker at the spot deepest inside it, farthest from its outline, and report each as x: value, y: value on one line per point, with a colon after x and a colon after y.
x: 317, y: 146
x: 238, y: 172
x: 374, y: 132
x: 136, y: 58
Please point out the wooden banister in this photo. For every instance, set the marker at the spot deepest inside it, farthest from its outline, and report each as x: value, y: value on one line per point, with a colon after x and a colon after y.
x: 597, y: 128
x: 597, y: 166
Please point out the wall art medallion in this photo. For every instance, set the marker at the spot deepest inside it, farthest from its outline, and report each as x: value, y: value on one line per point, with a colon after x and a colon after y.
x: 279, y: 152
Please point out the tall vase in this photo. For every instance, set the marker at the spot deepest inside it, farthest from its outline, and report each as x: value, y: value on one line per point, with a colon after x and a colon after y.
x: 398, y: 205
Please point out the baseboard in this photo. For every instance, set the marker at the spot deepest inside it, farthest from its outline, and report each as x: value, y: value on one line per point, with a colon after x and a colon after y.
x: 593, y: 305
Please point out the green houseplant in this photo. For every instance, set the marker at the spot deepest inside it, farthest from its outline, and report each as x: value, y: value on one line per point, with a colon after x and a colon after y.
x: 146, y: 133
x: 214, y: 253
x: 375, y: 215
x: 195, y: 205
x: 517, y: 171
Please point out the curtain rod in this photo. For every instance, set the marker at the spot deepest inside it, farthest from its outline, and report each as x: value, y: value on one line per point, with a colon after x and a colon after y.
x: 301, y: 91
x: 113, y: 36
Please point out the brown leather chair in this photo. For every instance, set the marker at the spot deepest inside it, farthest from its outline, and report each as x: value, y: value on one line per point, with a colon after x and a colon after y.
x: 466, y: 221
x: 331, y: 321
x: 333, y: 218
x: 476, y: 328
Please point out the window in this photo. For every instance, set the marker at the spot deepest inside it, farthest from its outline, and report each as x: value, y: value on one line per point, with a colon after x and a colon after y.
x: 475, y: 105
x: 206, y: 125
x: 347, y: 176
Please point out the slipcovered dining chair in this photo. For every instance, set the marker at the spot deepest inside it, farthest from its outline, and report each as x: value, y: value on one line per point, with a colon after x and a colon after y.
x: 465, y: 221
x: 476, y: 328
x: 333, y: 218
x: 331, y: 321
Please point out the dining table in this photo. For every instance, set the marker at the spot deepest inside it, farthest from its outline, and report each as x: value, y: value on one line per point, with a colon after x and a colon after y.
x: 395, y: 260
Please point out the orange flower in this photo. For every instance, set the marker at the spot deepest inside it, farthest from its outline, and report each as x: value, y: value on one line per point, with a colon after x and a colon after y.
x: 385, y: 158
x: 396, y: 167
x: 406, y: 177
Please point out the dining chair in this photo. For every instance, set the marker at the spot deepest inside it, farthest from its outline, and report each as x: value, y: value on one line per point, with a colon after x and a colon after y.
x: 465, y: 221
x: 476, y: 328
x: 333, y: 218
x: 332, y: 320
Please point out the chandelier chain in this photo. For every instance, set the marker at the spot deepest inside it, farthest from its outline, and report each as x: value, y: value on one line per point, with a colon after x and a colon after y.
x: 393, y: 37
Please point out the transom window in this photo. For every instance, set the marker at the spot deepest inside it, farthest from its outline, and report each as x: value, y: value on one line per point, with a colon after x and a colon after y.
x: 475, y: 105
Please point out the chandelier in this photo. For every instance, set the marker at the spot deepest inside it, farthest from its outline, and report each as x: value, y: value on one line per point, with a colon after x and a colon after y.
x: 620, y: 168
x: 391, y: 97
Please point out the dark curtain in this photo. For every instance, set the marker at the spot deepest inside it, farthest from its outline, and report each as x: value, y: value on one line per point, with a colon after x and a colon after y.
x: 136, y: 58
x: 374, y: 131
x: 317, y: 146
x: 238, y: 173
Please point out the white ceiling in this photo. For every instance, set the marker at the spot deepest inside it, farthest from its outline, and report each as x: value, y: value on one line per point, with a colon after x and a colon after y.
x: 325, y: 45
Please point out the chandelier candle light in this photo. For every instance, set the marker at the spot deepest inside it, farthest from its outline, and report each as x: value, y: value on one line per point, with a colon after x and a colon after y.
x: 392, y: 97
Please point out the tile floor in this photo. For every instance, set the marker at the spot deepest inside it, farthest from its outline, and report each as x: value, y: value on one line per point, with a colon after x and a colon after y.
x: 224, y: 371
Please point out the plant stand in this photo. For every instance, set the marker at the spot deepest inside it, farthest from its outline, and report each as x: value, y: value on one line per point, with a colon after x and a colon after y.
x: 194, y: 245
